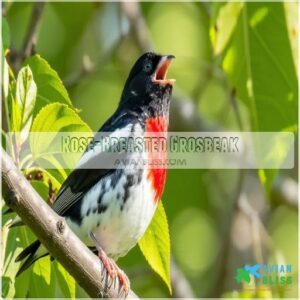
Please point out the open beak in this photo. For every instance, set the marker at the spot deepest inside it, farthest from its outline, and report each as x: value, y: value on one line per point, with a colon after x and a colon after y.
x: 161, y: 71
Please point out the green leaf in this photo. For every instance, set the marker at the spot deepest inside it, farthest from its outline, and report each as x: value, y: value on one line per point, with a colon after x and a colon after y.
x: 9, y: 91
x: 57, y: 117
x: 26, y: 93
x: 42, y: 283
x: 155, y: 245
x: 5, y: 34
x: 5, y: 74
x: 14, y: 245
x: 50, y: 88
x: 53, y: 119
x: 260, y: 67
x: 65, y: 281
x: 24, y: 103
x: 291, y: 14
x: 8, y: 275
x: 222, y: 28
x: 41, y: 188
x: 22, y: 285
x: 42, y: 268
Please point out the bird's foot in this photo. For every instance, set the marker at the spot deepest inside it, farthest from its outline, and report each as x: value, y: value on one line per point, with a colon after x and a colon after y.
x: 124, y: 282
x: 112, y: 269
x: 114, y: 272
x: 108, y: 264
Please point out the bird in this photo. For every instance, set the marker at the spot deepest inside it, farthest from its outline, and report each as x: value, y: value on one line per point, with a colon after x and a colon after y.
x: 109, y: 209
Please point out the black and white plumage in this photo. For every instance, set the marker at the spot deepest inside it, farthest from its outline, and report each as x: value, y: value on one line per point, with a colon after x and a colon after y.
x: 113, y: 207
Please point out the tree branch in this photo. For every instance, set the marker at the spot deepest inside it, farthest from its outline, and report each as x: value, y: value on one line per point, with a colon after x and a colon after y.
x: 139, y: 28
x: 30, y: 39
x: 285, y: 191
x: 16, y: 57
x: 180, y: 285
x: 52, y: 230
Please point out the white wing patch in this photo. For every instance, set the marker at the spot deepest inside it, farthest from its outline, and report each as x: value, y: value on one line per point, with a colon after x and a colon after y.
x: 97, y: 149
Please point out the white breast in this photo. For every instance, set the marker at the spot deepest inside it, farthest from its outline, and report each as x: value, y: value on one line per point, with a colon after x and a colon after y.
x: 122, y: 224
x: 120, y: 229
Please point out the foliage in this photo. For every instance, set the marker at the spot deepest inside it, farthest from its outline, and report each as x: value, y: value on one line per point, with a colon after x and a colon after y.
x: 45, y: 279
x: 155, y: 245
x: 235, y: 62
x: 50, y: 87
x: 23, y: 104
x: 260, y: 67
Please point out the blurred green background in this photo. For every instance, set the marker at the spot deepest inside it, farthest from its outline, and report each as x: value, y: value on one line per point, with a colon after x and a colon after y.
x: 219, y: 219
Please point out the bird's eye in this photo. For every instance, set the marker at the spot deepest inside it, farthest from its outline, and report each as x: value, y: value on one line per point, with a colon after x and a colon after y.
x: 148, y: 67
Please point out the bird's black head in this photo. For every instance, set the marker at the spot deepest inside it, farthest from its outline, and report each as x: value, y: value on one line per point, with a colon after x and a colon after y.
x: 147, y: 80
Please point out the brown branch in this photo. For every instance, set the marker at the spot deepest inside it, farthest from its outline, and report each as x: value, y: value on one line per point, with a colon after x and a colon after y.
x: 184, y: 116
x: 30, y: 38
x: 16, y: 57
x: 285, y: 191
x: 56, y: 236
x: 138, y: 25
x: 226, y: 230
x: 180, y: 285
x: 89, y: 68
x: 140, y: 32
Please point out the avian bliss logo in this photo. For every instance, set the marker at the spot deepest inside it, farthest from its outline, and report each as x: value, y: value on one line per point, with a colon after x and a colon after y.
x: 267, y: 274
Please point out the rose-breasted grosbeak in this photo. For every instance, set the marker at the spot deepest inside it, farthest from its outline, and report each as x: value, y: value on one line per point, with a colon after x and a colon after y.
x: 110, y: 209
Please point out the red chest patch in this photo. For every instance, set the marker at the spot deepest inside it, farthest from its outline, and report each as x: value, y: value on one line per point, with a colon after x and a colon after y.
x: 157, y: 176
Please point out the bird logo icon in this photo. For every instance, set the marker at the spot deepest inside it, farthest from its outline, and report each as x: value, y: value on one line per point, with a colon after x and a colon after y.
x: 243, y: 274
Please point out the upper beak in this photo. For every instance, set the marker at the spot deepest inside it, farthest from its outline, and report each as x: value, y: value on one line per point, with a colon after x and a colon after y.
x: 161, y: 71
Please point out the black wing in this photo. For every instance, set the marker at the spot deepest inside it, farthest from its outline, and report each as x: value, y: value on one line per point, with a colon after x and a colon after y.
x: 76, y: 185
x: 81, y: 180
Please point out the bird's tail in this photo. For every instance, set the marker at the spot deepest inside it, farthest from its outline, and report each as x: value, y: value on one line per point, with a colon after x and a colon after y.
x: 32, y: 253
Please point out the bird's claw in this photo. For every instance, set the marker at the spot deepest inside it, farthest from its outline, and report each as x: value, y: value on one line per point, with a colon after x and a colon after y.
x: 124, y: 282
x: 108, y: 264
x: 114, y: 272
